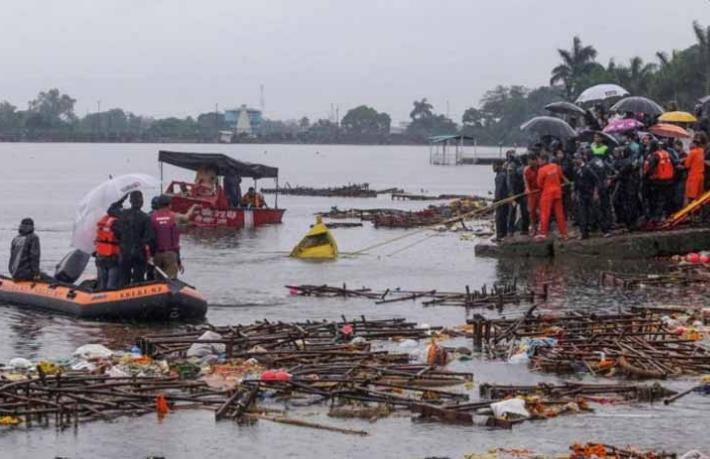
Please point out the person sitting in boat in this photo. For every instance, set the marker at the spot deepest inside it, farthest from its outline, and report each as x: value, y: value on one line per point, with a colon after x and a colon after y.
x: 134, y: 233
x: 166, y: 244
x: 25, y: 253
x: 253, y: 199
x: 107, y: 249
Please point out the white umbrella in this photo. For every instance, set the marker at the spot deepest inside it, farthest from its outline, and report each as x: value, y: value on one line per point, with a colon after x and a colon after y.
x: 96, y: 202
x: 601, y: 92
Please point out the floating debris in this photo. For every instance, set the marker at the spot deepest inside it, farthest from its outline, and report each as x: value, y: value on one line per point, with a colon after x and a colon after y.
x: 497, y: 297
x: 640, y: 344
x: 349, y: 191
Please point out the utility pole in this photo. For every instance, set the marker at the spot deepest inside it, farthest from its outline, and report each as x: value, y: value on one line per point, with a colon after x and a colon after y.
x: 261, y: 98
x: 98, y: 116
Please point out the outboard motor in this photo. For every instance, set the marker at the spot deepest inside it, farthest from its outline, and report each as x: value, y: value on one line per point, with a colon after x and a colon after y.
x: 72, y: 266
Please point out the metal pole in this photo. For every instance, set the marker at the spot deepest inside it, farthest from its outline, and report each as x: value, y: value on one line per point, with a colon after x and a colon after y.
x: 276, y: 200
x: 161, y: 176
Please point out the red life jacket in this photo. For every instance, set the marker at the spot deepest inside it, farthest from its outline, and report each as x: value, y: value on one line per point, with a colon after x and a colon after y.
x: 664, y: 168
x: 106, y: 241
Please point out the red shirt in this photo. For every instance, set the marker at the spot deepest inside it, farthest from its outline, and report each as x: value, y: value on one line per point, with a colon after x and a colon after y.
x: 530, y: 177
x: 167, y: 236
x: 549, y: 178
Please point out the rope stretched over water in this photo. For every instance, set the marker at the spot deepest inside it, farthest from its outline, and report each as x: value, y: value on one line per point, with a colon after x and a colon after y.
x: 473, y: 213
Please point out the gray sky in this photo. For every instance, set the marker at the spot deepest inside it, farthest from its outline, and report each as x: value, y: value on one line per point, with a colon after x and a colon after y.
x: 175, y: 57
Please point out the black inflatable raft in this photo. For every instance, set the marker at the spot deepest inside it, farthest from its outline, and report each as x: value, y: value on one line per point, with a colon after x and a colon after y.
x: 158, y: 300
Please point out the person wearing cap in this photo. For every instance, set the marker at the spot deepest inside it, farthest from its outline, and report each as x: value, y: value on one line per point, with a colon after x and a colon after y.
x: 134, y: 233
x: 25, y: 253
x: 166, y: 243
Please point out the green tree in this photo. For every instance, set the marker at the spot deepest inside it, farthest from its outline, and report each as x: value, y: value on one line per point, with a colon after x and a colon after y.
x: 576, y: 62
x: 209, y: 125
x: 702, y: 35
x: 9, y: 117
x: 52, y: 109
x: 636, y: 78
x: 365, y: 124
x: 422, y: 109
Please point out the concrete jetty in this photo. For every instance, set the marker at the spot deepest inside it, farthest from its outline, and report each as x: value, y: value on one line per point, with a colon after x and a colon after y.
x: 631, y: 245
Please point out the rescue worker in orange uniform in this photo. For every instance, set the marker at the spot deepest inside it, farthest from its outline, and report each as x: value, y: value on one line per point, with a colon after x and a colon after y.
x: 253, y: 199
x: 695, y: 164
x: 532, y: 190
x: 108, y: 250
x: 660, y: 171
x: 550, y: 180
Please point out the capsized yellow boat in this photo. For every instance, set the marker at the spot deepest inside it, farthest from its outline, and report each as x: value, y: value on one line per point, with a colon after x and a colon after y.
x: 317, y: 244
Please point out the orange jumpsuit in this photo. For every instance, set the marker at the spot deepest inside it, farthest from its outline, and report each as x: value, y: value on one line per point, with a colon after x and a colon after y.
x: 695, y: 163
x: 530, y: 177
x: 549, y: 179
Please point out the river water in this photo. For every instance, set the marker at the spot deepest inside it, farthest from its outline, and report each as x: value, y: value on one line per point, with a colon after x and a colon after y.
x: 243, y: 275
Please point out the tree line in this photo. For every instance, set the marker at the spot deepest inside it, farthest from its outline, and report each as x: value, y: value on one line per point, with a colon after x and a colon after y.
x: 675, y: 79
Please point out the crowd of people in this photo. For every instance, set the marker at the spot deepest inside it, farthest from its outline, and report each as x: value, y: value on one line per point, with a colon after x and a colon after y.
x: 634, y: 182
x: 131, y: 246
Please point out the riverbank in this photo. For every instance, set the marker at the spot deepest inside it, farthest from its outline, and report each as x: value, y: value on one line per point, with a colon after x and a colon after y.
x: 631, y: 245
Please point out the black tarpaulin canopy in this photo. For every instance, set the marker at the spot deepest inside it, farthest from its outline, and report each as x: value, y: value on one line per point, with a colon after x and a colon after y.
x: 223, y: 164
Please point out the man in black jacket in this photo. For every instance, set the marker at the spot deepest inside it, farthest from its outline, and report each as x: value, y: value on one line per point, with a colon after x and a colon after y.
x: 501, y: 192
x: 25, y: 253
x: 134, y: 234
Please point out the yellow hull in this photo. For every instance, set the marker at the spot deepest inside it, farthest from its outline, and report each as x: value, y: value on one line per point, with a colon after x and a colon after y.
x: 318, y: 244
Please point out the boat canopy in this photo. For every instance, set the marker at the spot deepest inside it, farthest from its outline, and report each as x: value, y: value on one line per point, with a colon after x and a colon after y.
x: 446, y: 138
x: 223, y: 164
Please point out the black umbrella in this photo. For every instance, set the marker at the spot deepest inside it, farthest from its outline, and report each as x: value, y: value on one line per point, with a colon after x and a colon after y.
x: 588, y: 136
x: 548, y: 125
x: 637, y: 105
x: 564, y: 107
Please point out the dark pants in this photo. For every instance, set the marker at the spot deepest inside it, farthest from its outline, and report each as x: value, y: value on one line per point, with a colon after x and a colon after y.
x: 661, y: 199
x: 603, y: 209
x: 627, y: 206
x: 521, y: 208
x: 585, y: 214
x: 132, y: 270
x: 502, y: 221
x: 107, y: 273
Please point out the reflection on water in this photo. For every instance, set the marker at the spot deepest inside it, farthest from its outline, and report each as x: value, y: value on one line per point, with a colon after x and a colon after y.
x: 243, y: 275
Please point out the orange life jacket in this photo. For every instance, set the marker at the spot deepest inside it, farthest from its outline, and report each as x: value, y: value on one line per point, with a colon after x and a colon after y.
x: 664, y: 168
x: 106, y: 241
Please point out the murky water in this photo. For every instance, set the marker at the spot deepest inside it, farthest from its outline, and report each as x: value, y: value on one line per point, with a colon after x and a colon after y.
x: 243, y: 275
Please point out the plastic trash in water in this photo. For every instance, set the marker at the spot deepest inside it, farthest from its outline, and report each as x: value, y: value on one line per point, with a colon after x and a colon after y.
x: 511, y: 406
x: 19, y: 363
x: 93, y: 352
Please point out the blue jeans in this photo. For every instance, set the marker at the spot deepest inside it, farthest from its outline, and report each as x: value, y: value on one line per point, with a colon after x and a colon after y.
x: 107, y: 274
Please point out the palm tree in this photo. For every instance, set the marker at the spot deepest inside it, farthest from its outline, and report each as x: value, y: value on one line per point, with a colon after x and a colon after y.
x: 575, y: 63
x: 422, y: 109
x: 703, y: 36
x: 640, y: 75
x: 669, y: 71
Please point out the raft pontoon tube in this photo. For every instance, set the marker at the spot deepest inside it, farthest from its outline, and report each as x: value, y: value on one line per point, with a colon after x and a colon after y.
x: 156, y: 300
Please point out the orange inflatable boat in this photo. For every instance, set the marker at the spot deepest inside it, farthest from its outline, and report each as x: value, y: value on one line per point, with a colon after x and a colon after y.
x: 157, y: 300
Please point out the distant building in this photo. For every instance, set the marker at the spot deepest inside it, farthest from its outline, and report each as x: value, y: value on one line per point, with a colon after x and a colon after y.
x: 243, y: 120
x: 400, y: 128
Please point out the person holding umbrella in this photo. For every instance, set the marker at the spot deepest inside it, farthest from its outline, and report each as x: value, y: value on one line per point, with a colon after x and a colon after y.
x: 599, y: 148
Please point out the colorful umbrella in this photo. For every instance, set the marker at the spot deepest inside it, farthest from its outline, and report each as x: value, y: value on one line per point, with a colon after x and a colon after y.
x: 622, y: 125
x: 637, y: 105
x: 601, y: 92
x: 548, y: 125
x: 669, y: 130
x: 677, y: 117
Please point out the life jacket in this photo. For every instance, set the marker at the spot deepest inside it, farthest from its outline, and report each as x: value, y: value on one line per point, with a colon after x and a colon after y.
x: 664, y: 169
x: 106, y: 241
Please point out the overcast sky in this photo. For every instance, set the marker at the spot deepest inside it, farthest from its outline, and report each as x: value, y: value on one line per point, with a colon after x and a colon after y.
x: 179, y: 58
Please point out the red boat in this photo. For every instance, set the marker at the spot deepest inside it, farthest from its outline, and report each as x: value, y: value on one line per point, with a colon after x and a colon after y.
x: 206, y: 195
